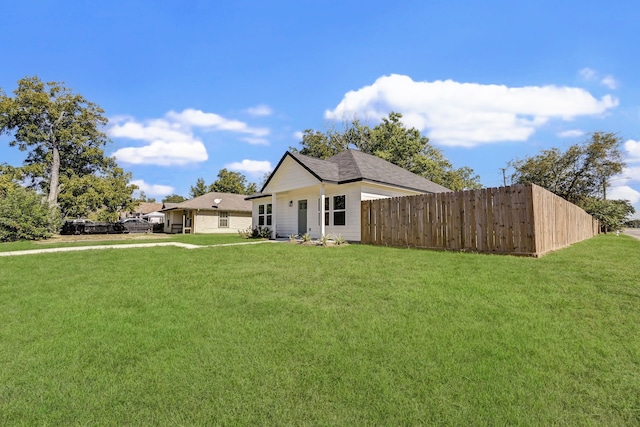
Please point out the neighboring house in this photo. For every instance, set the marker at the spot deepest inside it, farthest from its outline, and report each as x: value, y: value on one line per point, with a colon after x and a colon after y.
x: 322, y: 197
x: 147, y: 210
x: 209, y: 213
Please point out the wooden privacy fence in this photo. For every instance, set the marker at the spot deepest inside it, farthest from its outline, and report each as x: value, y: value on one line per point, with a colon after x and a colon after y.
x: 518, y: 220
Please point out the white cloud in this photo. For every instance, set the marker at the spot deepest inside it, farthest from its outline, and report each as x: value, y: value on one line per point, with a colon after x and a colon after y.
x: 633, y: 148
x: 624, y: 192
x: 171, y: 140
x: 298, y: 135
x: 260, y: 110
x: 153, y: 189
x: 163, y: 153
x: 212, y: 121
x: 253, y: 167
x: 573, y: 133
x: 630, y: 174
x: 610, y: 82
x: 255, y: 141
x: 469, y: 114
x: 588, y: 74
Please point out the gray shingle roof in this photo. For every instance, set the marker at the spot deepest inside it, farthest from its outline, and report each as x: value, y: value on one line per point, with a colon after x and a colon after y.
x: 354, y: 165
x: 146, y: 207
x: 228, y: 202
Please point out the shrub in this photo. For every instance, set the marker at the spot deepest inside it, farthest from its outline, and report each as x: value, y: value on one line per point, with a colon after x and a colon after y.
x: 25, y: 216
x: 256, y: 233
x: 612, y: 214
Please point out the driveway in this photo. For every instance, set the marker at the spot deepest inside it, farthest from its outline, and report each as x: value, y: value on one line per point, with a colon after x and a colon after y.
x: 634, y: 232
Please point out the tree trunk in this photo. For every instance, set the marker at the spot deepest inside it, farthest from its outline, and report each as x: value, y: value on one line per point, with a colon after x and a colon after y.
x: 54, y: 182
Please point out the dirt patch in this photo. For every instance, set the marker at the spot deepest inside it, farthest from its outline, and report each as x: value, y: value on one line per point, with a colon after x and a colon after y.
x: 88, y: 238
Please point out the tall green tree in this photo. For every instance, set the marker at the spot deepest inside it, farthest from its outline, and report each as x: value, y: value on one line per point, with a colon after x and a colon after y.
x: 199, y: 189
x: 251, y: 188
x: 580, y: 172
x: 393, y: 141
x: 142, y: 198
x: 231, y: 182
x: 173, y: 198
x: 99, y: 196
x: 60, y: 130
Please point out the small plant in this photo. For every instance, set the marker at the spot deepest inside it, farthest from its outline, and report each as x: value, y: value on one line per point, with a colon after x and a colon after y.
x: 306, y: 238
x: 292, y: 238
x: 261, y: 233
x: 324, y: 240
x: 246, y: 233
x: 255, y: 233
x: 339, y: 240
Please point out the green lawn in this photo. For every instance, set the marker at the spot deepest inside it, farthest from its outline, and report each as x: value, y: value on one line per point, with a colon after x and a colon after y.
x: 280, y: 334
x: 123, y: 239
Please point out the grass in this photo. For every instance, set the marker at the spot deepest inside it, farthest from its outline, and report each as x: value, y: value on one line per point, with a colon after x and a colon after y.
x: 294, y: 335
x: 120, y: 239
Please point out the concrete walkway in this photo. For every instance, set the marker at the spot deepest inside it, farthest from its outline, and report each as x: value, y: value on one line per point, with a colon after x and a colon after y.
x: 633, y: 232
x: 126, y: 246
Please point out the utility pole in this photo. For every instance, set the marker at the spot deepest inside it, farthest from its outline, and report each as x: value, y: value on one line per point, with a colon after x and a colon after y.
x: 504, y: 176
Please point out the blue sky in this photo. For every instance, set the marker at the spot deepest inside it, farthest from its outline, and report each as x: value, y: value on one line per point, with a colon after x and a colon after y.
x: 191, y: 87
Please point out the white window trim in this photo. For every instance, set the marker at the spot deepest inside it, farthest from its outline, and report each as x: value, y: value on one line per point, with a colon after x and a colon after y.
x: 334, y: 210
x: 266, y: 217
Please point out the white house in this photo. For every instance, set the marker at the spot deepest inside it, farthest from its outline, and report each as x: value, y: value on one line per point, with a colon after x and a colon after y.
x: 322, y: 197
x: 209, y: 213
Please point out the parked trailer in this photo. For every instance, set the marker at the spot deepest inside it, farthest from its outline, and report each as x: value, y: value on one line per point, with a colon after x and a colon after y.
x: 86, y: 226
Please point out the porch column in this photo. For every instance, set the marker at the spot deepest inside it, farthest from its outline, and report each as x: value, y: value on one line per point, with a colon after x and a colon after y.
x: 322, y: 197
x: 274, y: 217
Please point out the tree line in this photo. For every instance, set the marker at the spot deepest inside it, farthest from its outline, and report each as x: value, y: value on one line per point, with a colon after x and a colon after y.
x: 61, y: 134
x: 580, y: 174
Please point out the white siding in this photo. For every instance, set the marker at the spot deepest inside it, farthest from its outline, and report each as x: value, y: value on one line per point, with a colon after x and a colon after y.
x: 287, y: 216
x: 351, y: 230
x: 290, y: 176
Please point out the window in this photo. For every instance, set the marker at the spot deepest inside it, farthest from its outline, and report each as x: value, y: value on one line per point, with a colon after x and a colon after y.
x: 339, y: 210
x: 223, y: 219
x: 264, y: 214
